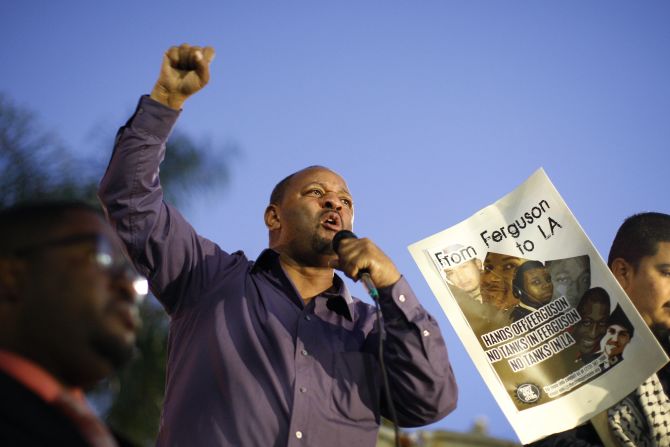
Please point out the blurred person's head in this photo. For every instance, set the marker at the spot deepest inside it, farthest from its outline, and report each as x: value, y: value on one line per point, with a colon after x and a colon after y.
x: 594, y: 310
x: 68, y: 295
x: 496, y: 281
x: 571, y: 277
x: 532, y: 284
x: 640, y: 261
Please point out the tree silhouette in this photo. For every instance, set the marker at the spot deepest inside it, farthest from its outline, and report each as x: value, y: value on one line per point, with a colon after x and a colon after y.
x: 34, y: 164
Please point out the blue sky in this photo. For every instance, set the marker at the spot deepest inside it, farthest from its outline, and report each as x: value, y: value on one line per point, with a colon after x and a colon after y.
x: 430, y: 109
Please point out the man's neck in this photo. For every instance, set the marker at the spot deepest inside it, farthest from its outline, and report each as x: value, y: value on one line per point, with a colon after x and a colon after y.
x: 308, y: 281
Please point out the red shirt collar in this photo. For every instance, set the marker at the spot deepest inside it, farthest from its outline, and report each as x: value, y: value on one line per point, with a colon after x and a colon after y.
x: 34, y: 377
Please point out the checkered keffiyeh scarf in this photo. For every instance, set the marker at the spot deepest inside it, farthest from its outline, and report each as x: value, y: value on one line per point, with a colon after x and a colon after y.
x: 642, y: 419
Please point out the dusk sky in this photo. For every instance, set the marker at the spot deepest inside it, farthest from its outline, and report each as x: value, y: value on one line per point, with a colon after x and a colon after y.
x: 431, y: 110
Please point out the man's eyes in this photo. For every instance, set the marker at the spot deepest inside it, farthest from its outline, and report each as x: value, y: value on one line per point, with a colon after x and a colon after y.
x: 562, y: 279
x: 589, y: 323
x: 320, y: 193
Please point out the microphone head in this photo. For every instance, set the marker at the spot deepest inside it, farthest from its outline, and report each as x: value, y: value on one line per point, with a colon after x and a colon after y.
x: 342, y: 234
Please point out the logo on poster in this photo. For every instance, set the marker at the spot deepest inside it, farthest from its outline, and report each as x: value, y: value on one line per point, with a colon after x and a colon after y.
x: 528, y: 393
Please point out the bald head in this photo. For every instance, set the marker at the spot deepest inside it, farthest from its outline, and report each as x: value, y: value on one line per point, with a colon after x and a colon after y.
x: 280, y: 188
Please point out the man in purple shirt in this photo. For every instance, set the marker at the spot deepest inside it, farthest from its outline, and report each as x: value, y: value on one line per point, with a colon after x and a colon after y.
x: 273, y: 352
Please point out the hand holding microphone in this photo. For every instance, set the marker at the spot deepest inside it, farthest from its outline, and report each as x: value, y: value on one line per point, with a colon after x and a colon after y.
x: 361, y: 259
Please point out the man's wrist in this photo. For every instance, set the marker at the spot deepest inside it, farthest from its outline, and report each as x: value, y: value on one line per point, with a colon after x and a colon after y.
x: 172, y: 100
x: 154, y: 117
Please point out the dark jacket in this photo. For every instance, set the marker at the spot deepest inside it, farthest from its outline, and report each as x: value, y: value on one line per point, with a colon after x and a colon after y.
x: 28, y: 421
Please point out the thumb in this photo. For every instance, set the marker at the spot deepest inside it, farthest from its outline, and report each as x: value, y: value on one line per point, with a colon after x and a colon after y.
x: 208, y: 53
x: 201, y: 68
x: 202, y: 60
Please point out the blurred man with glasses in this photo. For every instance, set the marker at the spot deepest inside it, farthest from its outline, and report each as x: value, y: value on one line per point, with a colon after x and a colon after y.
x: 68, y: 317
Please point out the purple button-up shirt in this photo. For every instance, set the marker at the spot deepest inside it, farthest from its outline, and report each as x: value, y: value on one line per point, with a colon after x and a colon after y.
x: 249, y: 364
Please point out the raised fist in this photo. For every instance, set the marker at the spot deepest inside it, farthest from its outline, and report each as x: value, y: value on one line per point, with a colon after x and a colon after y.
x: 184, y: 71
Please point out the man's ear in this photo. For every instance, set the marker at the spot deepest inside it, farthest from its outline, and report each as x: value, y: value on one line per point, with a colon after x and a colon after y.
x: 9, y: 279
x: 623, y: 272
x: 272, y: 217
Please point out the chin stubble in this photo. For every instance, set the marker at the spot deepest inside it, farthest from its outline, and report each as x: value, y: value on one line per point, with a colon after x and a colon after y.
x: 115, y: 350
x: 321, y: 245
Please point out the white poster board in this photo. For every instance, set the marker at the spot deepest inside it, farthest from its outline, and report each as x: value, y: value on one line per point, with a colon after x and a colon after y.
x: 548, y: 327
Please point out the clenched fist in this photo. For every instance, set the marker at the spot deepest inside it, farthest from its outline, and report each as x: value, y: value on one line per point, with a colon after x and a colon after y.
x: 184, y: 71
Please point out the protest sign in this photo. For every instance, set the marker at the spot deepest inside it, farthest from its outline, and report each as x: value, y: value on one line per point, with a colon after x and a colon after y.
x: 548, y: 327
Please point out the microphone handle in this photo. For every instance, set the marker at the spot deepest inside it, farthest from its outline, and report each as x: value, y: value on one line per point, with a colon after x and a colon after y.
x: 364, y: 277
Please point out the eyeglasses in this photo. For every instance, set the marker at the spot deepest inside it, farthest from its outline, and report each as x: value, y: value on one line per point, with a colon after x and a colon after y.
x: 109, y: 260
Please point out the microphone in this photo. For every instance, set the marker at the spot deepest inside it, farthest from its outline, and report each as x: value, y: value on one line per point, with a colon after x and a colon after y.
x: 363, y: 275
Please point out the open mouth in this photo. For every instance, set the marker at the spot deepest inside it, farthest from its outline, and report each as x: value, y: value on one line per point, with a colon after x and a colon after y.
x: 331, y: 221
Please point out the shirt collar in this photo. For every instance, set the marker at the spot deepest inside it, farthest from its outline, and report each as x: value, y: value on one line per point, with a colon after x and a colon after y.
x: 34, y: 377
x: 339, y: 299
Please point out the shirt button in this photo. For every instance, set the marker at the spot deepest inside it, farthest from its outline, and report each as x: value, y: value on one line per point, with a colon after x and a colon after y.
x: 401, y: 298
x: 303, y: 389
x: 307, y: 317
x: 298, y: 434
x: 303, y: 352
x: 426, y: 332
